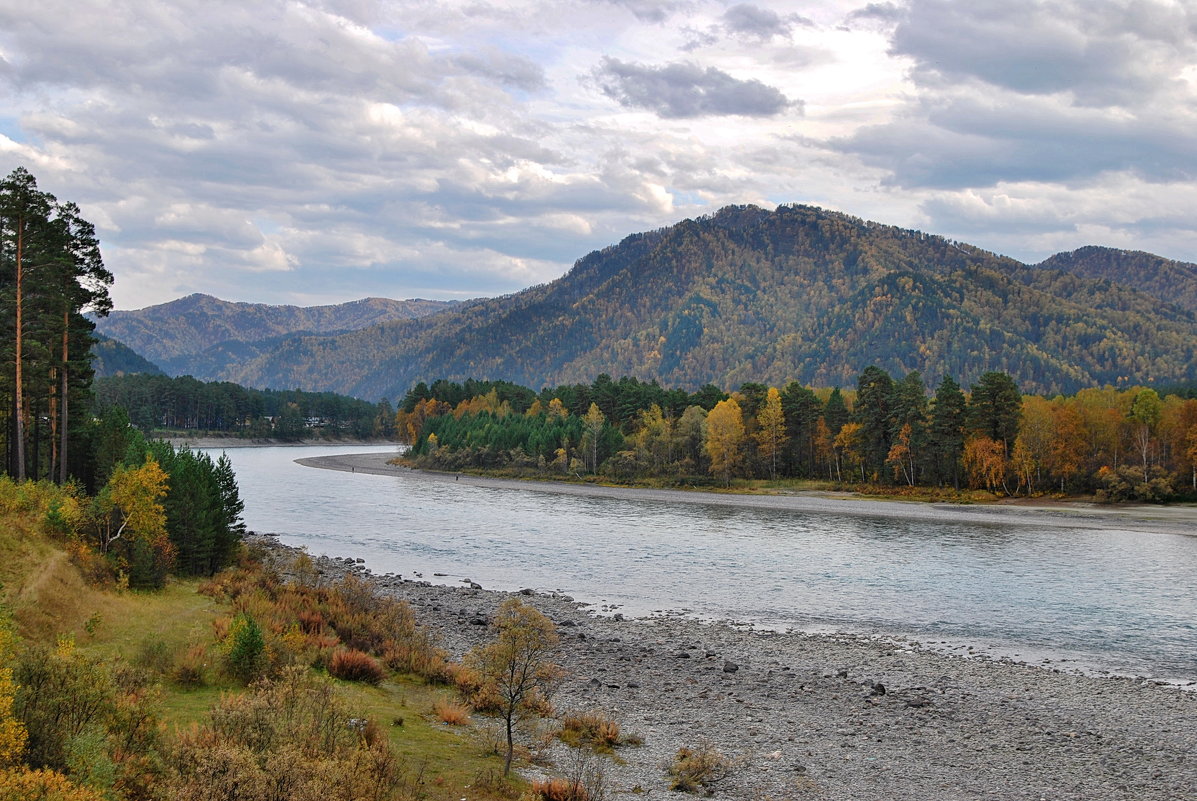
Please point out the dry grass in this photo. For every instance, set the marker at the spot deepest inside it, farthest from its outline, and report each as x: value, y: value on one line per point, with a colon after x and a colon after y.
x: 455, y: 713
x: 595, y: 729
x: 557, y: 789
x: 697, y: 769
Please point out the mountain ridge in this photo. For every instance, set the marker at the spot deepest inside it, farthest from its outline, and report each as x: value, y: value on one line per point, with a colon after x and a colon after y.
x: 747, y: 294
x: 193, y: 330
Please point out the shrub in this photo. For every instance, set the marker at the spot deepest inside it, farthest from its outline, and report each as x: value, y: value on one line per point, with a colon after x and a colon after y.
x: 154, y: 656
x: 557, y: 789
x: 697, y: 769
x: 287, y: 738
x: 245, y: 649
x: 44, y: 785
x: 189, y: 669
x: 352, y: 665
x: 595, y: 729
x: 452, y: 712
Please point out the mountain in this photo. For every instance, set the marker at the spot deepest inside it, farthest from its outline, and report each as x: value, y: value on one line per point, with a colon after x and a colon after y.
x: 199, y: 334
x: 796, y: 293
x: 1170, y: 281
x: 112, y: 358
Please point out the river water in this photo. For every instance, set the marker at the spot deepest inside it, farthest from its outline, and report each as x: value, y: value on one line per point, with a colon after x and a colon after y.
x: 1102, y: 601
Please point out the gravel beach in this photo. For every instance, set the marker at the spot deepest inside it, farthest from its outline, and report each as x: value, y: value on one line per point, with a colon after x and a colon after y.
x: 833, y: 716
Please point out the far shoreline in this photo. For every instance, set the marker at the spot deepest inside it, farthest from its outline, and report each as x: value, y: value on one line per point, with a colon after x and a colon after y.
x: 1175, y: 519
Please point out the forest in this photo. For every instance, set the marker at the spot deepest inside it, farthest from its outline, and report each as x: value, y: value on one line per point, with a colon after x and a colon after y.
x: 1115, y: 444
x: 184, y: 404
x: 138, y: 509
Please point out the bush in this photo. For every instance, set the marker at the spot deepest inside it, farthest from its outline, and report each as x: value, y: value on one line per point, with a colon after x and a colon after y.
x: 454, y: 713
x: 557, y: 789
x: 287, y: 738
x: 245, y: 649
x: 1127, y: 483
x: 595, y: 729
x: 697, y: 769
x: 352, y: 665
x: 189, y: 670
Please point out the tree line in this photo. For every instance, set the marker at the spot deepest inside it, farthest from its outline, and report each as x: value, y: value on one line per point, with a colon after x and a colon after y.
x: 51, y: 274
x: 1119, y: 444
x: 135, y: 509
x: 159, y: 402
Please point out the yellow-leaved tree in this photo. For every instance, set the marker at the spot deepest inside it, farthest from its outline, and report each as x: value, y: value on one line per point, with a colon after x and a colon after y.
x: 771, y: 430
x: 130, y: 522
x: 516, y: 667
x: 725, y: 439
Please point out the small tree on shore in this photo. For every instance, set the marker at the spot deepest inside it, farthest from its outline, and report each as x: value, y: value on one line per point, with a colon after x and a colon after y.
x: 516, y: 665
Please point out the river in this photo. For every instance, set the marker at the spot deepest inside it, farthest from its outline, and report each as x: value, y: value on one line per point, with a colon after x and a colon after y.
x: 1107, y: 600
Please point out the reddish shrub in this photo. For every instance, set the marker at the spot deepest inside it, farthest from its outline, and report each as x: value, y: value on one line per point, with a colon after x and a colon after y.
x: 353, y: 665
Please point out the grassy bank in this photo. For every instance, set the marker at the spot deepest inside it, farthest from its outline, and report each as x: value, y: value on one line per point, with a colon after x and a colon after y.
x: 168, y: 653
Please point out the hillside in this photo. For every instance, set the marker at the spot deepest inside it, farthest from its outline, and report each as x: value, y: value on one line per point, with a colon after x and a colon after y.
x: 111, y: 357
x: 200, y: 335
x: 748, y: 294
x: 1164, y: 279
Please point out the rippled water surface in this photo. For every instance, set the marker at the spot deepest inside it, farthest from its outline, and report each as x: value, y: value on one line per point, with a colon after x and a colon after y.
x: 1106, y: 600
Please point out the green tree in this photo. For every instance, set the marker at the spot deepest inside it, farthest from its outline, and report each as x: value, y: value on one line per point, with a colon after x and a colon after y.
x: 1146, y: 411
x: 995, y: 408
x: 516, y: 665
x: 874, y: 412
x: 946, y: 435
x: 50, y: 274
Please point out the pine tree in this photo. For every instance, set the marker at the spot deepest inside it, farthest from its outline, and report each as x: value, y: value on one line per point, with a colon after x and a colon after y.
x: 945, y: 445
x: 874, y: 412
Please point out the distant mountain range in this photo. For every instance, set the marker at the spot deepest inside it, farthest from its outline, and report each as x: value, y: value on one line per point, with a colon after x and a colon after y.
x: 745, y: 294
x: 202, y: 336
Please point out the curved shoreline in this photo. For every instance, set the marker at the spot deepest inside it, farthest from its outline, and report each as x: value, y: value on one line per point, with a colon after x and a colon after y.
x: 1181, y: 520
x: 835, y: 717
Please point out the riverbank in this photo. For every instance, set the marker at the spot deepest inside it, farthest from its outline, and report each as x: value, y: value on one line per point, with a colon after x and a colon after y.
x: 1176, y: 519
x: 832, y: 716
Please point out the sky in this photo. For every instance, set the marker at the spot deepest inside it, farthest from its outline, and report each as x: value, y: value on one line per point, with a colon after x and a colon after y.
x: 317, y: 152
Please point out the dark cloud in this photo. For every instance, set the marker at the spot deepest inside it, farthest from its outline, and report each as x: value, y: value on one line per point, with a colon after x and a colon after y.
x: 1110, y: 53
x: 651, y: 10
x: 759, y: 23
x: 687, y: 90
x: 883, y: 12
x: 969, y: 142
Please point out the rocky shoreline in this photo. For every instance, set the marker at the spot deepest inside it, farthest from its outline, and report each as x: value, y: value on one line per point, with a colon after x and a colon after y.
x: 835, y: 716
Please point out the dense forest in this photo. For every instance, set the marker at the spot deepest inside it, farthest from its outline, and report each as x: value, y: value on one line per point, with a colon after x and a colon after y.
x: 1128, y: 444
x: 796, y: 294
x: 160, y: 403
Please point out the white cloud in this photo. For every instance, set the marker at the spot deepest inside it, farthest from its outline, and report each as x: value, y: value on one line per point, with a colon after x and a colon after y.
x: 288, y: 150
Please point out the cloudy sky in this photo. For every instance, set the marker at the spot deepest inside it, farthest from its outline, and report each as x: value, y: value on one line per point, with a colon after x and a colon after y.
x: 314, y: 152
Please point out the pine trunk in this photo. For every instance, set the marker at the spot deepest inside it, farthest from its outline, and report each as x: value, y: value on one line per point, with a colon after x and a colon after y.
x: 18, y: 384
x: 63, y: 409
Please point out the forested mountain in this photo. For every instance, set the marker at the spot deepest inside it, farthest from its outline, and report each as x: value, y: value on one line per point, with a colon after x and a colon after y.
x: 748, y: 294
x: 111, y: 357
x: 1170, y: 281
x: 201, y: 335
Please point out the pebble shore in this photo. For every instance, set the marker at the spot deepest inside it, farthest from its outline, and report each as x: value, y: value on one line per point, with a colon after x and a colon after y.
x: 834, y: 716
